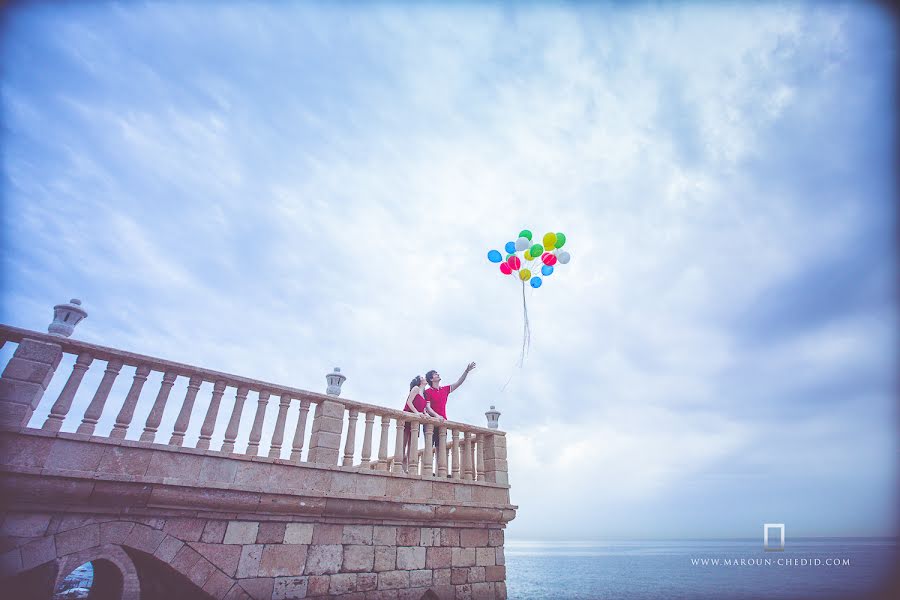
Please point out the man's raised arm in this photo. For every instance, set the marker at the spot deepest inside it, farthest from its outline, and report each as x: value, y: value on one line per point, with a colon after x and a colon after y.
x: 462, y: 377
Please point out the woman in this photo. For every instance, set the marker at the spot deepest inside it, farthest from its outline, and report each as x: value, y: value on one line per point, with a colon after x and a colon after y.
x: 415, y: 403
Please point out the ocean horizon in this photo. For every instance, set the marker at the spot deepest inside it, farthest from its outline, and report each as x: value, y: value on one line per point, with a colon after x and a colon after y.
x: 699, y: 569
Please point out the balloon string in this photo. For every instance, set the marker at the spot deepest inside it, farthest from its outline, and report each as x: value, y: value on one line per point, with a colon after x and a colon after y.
x: 526, y: 333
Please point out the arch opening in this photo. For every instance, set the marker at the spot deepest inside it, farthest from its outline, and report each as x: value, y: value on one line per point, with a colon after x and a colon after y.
x: 98, y: 579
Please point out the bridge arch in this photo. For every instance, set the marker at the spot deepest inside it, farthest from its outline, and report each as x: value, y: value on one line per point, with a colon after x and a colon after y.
x: 115, y: 576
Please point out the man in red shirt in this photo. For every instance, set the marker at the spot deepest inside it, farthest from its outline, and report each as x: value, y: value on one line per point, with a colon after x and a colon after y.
x: 437, y: 395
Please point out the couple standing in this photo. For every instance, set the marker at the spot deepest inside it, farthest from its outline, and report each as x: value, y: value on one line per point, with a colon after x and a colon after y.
x: 428, y: 402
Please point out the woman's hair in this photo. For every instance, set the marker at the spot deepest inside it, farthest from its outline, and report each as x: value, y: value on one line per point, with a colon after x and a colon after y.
x: 417, y: 380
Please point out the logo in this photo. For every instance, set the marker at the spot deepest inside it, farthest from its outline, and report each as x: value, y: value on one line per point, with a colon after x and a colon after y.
x: 766, y: 528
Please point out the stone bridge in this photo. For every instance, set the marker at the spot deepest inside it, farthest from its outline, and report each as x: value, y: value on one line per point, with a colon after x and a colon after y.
x: 173, y: 496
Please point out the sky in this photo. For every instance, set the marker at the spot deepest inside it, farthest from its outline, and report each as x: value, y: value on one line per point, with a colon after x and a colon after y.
x: 274, y: 190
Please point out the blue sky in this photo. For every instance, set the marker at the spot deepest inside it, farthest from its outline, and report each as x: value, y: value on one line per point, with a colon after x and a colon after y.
x: 274, y: 190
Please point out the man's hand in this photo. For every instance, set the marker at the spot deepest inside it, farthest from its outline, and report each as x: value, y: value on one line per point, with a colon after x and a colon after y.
x: 470, y: 367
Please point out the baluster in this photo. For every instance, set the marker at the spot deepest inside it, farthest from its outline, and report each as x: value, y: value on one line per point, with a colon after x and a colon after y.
x: 184, y: 416
x: 95, y: 408
x: 382, y: 464
x: 398, y: 447
x: 367, y: 441
x: 457, y: 453
x: 420, y: 467
x: 350, y: 443
x: 479, y: 456
x: 159, y: 406
x: 256, y: 432
x: 300, y: 431
x: 428, y: 458
x: 278, y: 435
x: 234, y: 422
x: 467, y: 459
x: 212, y: 414
x: 413, y: 450
x: 442, y: 452
x: 64, y: 401
x: 123, y: 419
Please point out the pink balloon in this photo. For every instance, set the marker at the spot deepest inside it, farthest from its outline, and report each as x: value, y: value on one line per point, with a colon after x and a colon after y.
x: 548, y: 259
x: 505, y: 268
x: 514, y: 262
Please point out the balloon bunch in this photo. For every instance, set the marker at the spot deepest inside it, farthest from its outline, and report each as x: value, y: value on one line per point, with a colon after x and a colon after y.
x: 534, y: 255
x: 549, y: 254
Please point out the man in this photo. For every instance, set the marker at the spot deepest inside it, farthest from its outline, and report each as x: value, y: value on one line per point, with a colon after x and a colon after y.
x: 436, y: 395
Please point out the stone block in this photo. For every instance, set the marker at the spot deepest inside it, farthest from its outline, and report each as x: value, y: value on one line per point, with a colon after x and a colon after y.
x: 38, y: 351
x: 298, y: 533
x: 168, y: 548
x: 184, y: 559
x: 408, y: 536
x: 459, y: 575
x: 412, y: 593
x: 343, y: 483
x: 371, y: 485
x: 463, y: 492
x: 237, y: 593
x: 358, y: 558
x: 500, y: 556
x: 476, y: 575
x: 473, y: 538
x: 241, y: 532
x: 38, y: 552
x: 385, y: 558
x: 186, y: 529
x: 357, y: 534
x: 327, y: 533
x: 384, y: 535
x: 443, y: 491
x: 441, y: 577
x: 366, y: 582
x: 30, y: 371
x: 281, y: 560
x: 201, y: 572
x: 483, y: 591
x: 32, y: 453
x: 176, y: 465
x: 485, y: 557
x: 500, y: 590
x: 119, y: 460
x: 218, y: 585
x: 449, y: 536
x: 290, y: 588
x: 10, y: 563
x: 214, y: 532
x: 430, y: 536
x: 25, y: 525
x: 382, y: 595
x: 259, y: 588
x: 270, y: 533
x: 318, y: 585
x: 14, y: 416
x: 420, y: 578
x: 324, y: 559
x: 437, y: 558
x: 248, y: 564
x: 224, y: 556
x: 410, y: 558
x: 495, y: 573
x: 495, y: 537
x: 412, y: 489
x: 75, y: 456
x: 218, y: 470
x: 392, y: 580
x: 114, y: 532
x: 74, y: 540
x: 343, y: 583
x: 462, y: 557
x: 464, y: 592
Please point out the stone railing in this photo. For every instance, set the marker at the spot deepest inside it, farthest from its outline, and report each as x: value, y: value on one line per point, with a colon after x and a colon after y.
x: 463, y: 452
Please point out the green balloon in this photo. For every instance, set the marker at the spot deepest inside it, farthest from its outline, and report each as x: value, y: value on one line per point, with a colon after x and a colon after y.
x: 537, y: 250
x: 525, y: 234
x: 560, y: 240
x: 507, y: 257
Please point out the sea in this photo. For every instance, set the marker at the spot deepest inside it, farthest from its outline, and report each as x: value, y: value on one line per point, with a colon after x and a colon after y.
x: 807, y: 569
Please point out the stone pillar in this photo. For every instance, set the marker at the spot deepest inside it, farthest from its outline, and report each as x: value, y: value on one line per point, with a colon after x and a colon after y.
x: 256, y: 432
x: 212, y: 414
x: 123, y: 419
x: 159, y: 406
x: 184, y: 415
x: 95, y: 408
x: 428, y: 456
x: 495, y: 466
x: 25, y: 380
x: 278, y: 435
x: 234, y: 423
x: 350, y: 444
x: 300, y: 431
x: 367, y: 441
x: 382, y: 464
x: 442, y: 452
x: 64, y: 402
x: 325, y: 441
x: 398, y: 447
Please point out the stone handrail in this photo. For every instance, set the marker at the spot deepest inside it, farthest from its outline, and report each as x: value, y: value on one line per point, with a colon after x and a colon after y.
x: 472, y: 453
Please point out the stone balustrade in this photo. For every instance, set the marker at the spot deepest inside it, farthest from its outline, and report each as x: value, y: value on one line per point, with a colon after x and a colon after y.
x: 463, y: 452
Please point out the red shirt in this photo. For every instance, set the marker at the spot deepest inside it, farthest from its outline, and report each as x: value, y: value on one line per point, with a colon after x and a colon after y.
x: 418, y: 402
x: 438, y: 399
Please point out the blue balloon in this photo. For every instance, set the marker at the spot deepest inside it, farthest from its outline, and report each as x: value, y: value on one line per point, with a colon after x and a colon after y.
x: 494, y: 256
x: 511, y: 247
x: 536, y: 282
x: 547, y: 270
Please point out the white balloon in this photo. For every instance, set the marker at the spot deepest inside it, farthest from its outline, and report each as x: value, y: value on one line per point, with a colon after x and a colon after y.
x: 564, y: 257
x: 523, y: 243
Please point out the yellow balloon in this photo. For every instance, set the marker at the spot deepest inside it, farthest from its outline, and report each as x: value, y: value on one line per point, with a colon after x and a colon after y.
x: 524, y: 274
x: 549, y: 241
x: 528, y: 254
